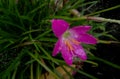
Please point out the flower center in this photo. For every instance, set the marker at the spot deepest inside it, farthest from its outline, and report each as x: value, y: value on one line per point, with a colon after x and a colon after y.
x: 70, y: 47
x: 66, y: 34
x: 70, y: 43
x: 75, y: 41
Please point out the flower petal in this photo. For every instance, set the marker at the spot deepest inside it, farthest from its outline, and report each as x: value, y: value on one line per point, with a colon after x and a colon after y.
x: 56, y: 48
x: 79, y: 51
x: 67, y: 56
x: 59, y: 26
x: 86, y: 38
x: 81, y: 29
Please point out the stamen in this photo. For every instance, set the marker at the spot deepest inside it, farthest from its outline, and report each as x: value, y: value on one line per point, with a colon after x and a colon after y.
x: 69, y: 45
x: 75, y: 41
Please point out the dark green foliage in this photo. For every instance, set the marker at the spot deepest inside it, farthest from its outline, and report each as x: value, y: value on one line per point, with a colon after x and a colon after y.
x: 26, y: 39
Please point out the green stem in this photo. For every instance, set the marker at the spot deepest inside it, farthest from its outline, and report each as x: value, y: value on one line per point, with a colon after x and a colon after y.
x: 103, y: 19
x: 105, y: 10
x: 31, y: 71
x: 89, y: 17
x: 43, y: 65
x: 98, y: 19
x: 106, y: 62
x: 84, y: 73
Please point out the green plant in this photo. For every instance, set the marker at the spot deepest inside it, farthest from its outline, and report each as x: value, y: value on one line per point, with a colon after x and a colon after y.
x: 25, y: 34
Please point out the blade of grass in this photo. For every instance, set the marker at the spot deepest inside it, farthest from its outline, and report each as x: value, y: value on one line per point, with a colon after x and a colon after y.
x: 106, y: 62
x: 47, y: 54
x: 14, y: 73
x: 43, y: 34
x: 31, y: 71
x: 33, y: 41
x: 43, y: 65
x: 84, y: 73
x: 105, y: 10
x: 37, y: 8
x: 13, y: 24
x: 91, y: 62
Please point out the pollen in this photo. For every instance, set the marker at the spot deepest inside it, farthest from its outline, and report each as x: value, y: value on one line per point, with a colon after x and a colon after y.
x: 75, y: 41
x: 69, y: 45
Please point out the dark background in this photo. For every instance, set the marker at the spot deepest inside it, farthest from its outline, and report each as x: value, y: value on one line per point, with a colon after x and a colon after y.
x: 108, y: 52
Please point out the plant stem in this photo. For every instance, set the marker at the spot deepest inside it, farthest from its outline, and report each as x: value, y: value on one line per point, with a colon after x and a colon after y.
x: 105, y: 10
x: 99, y: 19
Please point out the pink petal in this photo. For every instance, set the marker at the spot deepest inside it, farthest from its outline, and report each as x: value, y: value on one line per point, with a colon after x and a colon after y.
x: 86, y: 38
x: 56, y: 48
x: 79, y: 51
x: 59, y: 26
x: 67, y: 56
x: 81, y: 29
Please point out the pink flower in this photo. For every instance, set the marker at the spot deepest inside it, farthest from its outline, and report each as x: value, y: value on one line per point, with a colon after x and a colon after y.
x: 69, y: 40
